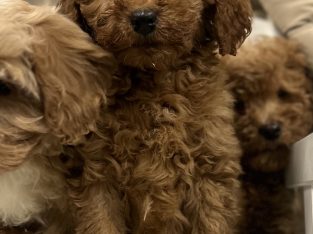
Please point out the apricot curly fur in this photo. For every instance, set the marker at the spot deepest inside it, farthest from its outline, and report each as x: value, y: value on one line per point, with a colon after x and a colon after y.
x: 164, y: 158
x: 270, y: 83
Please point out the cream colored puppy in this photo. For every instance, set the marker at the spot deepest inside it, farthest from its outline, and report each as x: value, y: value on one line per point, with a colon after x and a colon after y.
x: 52, y: 83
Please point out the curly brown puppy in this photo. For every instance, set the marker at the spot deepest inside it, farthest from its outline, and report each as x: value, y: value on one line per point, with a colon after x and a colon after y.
x: 274, y: 110
x: 52, y: 83
x: 165, y: 159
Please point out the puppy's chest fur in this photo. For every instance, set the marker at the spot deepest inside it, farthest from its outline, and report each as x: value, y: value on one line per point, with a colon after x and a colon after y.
x: 28, y: 191
x: 168, y: 122
x: 162, y: 137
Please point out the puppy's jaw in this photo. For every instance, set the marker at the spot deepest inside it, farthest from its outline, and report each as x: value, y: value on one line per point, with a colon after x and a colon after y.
x: 271, y: 160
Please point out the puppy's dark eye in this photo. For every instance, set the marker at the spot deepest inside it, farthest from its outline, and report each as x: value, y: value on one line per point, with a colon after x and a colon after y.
x: 102, y: 21
x: 5, y: 90
x: 240, y: 107
x: 283, y: 94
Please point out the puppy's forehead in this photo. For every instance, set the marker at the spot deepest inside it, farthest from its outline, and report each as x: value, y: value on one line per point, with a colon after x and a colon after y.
x: 255, y: 84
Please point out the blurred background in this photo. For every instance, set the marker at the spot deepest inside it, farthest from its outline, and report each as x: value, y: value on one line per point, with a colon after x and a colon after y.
x: 43, y: 2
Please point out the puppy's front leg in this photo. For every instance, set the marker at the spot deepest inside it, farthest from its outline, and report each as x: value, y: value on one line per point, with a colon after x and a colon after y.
x: 156, y: 211
x: 213, y: 207
x: 98, y: 210
x: 97, y: 202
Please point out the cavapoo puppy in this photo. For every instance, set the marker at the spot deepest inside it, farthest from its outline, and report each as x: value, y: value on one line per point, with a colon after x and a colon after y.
x: 165, y: 158
x: 274, y: 110
x: 52, y: 83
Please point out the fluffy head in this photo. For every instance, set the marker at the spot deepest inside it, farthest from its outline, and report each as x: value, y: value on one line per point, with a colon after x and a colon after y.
x: 52, y: 79
x: 180, y: 27
x: 273, y: 100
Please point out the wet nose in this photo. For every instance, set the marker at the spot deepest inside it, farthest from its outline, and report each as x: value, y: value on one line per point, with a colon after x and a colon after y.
x: 143, y: 21
x: 270, y: 131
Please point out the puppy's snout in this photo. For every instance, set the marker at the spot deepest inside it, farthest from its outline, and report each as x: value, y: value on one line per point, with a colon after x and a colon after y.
x: 270, y: 131
x: 144, y: 21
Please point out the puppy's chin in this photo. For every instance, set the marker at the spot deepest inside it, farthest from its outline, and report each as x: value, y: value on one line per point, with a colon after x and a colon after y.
x: 155, y: 58
x: 267, y: 161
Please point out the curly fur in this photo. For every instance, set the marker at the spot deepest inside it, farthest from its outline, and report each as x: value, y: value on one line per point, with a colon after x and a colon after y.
x: 165, y: 158
x: 270, y: 84
x: 53, y: 80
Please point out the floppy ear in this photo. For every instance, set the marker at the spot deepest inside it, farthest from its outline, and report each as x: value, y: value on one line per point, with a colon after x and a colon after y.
x: 73, y: 75
x: 229, y: 23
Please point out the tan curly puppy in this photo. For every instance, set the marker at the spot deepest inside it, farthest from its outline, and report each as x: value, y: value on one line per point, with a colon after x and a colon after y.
x: 274, y: 110
x: 52, y: 83
x: 166, y: 159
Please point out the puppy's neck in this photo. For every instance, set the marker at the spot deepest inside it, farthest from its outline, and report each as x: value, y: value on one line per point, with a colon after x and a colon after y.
x: 266, y: 168
x: 272, y: 179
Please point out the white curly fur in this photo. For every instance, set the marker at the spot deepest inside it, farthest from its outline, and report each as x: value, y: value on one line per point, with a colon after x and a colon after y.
x: 28, y: 191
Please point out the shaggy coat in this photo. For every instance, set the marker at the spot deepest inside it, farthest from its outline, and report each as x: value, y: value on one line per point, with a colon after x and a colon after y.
x: 165, y: 158
x: 272, y: 88
x: 52, y: 83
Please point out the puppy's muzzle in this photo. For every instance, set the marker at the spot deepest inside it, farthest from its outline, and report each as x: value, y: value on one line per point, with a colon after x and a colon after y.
x: 143, y: 21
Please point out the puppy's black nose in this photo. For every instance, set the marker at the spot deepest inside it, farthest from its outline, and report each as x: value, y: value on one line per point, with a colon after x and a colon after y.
x: 270, y: 131
x: 143, y: 21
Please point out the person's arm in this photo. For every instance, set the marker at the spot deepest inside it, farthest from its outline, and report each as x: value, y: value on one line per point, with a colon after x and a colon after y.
x: 294, y: 18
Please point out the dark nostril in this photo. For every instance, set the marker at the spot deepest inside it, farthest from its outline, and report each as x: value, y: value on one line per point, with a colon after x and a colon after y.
x: 270, y: 131
x: 143, y: 21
